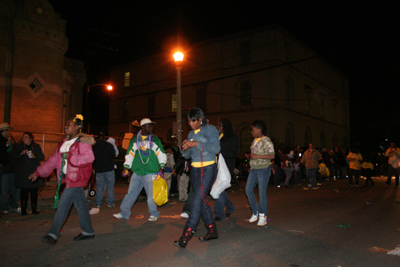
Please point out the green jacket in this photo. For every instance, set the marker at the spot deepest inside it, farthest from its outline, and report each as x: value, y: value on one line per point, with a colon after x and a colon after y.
x: 145, y: 164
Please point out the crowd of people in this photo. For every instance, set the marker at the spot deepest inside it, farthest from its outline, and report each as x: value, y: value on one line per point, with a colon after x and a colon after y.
x: 190, y: 171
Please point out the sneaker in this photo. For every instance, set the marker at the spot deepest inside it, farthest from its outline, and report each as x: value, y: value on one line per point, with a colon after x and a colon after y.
x: 119, y: 216
x: 94, y: 211
x: 185, y: 215
x: 253, y: 218
x: 49, y: 240
x: 18, y: 210
x: 152, y: 218
x: 262, y: 220
x: 111, y: 205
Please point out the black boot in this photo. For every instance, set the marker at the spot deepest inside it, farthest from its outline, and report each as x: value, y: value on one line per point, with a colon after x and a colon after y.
x: 24, y: 205
x: 34, y: 208
x: 212, y: 232
x: 186, y: 236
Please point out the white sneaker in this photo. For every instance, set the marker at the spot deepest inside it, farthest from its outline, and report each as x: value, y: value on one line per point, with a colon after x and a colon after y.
x: 185, y: 215
x: 253, y: 218
x: 152, y: 218
x: 18, y: 210
x: 119, y: 216
x: 94, y: 211
x: 262, y: 220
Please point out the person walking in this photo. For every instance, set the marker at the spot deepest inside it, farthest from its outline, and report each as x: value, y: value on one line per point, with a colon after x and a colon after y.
x: 393, y: 155
x: 28, y: 155
x: 146, y: 158
x: 310, y: 159
x: 262, y: 151
x: 201, y: 146
x: 104, y: 155
x: 354, y: 167
x: 73, y: 160
x: 229, y: 148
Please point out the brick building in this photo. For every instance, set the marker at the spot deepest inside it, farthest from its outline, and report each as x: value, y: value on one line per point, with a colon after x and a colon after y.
x: 264, y: 73
x: 41, y: 87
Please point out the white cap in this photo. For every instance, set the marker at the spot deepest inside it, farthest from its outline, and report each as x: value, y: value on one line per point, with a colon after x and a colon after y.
x: 146, y: 121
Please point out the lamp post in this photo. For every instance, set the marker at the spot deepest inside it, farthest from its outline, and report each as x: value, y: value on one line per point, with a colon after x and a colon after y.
x: 178, y: 60
x: 109, y: 88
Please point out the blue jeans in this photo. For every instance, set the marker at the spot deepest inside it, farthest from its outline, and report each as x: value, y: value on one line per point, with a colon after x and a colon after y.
x: 135, y: 186
x: 312, y: 176
x: 8, y: 186
x: 260, y: 177
x: 220, y: 204
x: 107, y: 178
x: 199, y: 208
x: 76, y: 196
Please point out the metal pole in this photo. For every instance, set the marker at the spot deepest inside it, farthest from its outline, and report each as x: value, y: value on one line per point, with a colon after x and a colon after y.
x: 179, y: 105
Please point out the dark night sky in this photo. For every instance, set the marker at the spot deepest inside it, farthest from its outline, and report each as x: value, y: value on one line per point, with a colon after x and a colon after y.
x: 358, y: 38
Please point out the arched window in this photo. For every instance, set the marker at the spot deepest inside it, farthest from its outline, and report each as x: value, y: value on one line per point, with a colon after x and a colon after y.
x: 125, y: 109
x: 334, y: 140
x: 289, y: 134
x: 245, y: 139
x: 245, y: 93
x: 289, y: 92
x: 307, y: 137
x: 323, y: 139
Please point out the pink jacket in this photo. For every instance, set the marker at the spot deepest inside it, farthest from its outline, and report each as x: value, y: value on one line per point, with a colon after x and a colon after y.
x: 80, y: 162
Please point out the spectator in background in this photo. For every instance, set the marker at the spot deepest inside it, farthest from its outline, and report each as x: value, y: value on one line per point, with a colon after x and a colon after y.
x: 310, y: 159
x: 393, y: 155
x: 355, y: 159
x: 367, y: 168
x: 168, y: 169
x: 8, y: 183
x: 229, y: 148
x: 28, y: 155
x: 104, y: 155
x: 4, y: 158
x: 287, y: 165
x: 182, y: 171
x: 112, y: 141
x: 344, y: 165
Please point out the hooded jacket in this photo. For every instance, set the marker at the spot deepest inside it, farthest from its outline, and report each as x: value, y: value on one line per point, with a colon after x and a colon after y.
x: 79, y: 162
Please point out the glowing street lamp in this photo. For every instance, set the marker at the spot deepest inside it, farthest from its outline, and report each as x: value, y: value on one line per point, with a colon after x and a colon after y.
x: 109, y: 88
x: 178, y: 60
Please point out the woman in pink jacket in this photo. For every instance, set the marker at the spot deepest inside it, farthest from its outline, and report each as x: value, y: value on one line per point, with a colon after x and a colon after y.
x: 73, y: 160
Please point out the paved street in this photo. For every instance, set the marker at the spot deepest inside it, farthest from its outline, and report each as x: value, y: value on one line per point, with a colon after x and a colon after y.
x: 333, y: 226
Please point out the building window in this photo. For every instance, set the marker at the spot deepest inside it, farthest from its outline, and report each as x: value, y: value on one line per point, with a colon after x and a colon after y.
x: 307, y: 137
x: 245, y: 93
x: 151, y: 105
x: 245, y: 53
x: 289, y: 92
x: 307, y: 104
x: 289, y: 135
x: 125, y: 109
x: 35, y: 85
x: 245, y: 140
x: 174, y: 103
x: 322, y: 98
x: 323, y: 139
x: 127, y: 79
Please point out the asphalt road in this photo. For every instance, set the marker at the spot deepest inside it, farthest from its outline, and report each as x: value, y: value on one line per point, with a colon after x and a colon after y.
x: 333, y: 226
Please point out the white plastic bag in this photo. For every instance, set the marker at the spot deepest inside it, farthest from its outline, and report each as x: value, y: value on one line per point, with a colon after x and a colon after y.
x: 223, y: 180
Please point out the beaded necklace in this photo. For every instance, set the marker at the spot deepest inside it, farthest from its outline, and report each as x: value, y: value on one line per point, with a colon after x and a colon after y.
x: 255, y: 145
x: 148, y: 145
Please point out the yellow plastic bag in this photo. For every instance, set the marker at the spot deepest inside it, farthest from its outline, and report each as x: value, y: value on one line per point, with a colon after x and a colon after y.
x: 323, y: 170
x: 160, y: 191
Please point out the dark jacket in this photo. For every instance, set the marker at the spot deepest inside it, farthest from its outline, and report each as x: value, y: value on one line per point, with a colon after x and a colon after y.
x: 229, y: 149
x: 182, y: 166
x: 3, y: 151
x: 104, y: 155
x: 26, y: 166
x: 11, y: 167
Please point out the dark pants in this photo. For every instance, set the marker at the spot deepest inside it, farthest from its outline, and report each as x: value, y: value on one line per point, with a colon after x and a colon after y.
x: 356, y: 174
x: 25, y: 195
x: 368, y: 174
x: 188, y: 204
x: 199, y: 207
x: 392, y: 171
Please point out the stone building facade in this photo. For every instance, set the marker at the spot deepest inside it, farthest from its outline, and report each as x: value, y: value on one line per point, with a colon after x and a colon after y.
x: 41, y: 87
x: 264, y: 73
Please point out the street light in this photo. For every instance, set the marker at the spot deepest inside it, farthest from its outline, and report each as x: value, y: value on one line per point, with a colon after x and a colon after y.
x: 178, y: 60
x: 109, y: 88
